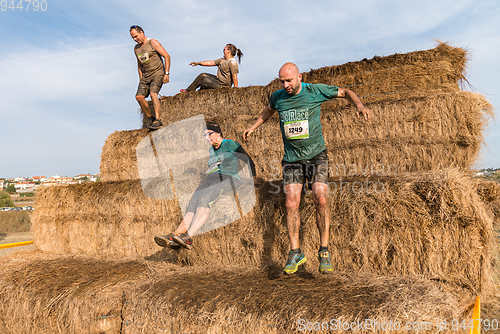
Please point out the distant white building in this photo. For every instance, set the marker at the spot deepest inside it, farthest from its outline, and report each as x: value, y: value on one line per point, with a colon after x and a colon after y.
x: 58, y: 180
x: 24, y: 185
x: 90, y: 177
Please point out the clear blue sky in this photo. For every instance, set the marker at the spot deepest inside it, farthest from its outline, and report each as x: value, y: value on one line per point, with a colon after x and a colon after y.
x: 68, y: 74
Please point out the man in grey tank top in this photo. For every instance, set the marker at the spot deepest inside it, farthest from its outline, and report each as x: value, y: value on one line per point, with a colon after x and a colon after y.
x: 152, y: 73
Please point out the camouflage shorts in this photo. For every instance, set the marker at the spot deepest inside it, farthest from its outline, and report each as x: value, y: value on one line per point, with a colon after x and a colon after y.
x: 306, y: 171
x: 150, y: 84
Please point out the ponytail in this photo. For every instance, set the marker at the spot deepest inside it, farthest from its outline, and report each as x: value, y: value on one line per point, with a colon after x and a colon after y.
x: 235, y: 52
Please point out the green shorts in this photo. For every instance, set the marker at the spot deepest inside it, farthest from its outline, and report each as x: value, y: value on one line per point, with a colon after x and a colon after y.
x: 148, y: 84
x: 306, y: 172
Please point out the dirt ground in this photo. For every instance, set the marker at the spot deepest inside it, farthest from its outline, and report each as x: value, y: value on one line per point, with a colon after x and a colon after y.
x: 7, y: 238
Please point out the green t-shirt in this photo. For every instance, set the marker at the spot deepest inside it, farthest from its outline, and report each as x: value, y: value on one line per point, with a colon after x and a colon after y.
x: 223, y: 160
x: 300, y: 119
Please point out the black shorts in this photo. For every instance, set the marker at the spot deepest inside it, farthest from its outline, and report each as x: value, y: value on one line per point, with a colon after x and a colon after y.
x: 306, y: 172
x: 150, y: 84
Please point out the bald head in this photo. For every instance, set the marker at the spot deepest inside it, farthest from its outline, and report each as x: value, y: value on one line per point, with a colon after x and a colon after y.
x: 289, y: 67
x: 290, y: 78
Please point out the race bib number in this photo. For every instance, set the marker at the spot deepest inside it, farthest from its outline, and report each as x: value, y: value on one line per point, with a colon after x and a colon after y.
x: 297, y: 129
x: 143, y: 58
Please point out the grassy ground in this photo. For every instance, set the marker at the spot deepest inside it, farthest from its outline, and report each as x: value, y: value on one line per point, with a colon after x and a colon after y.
x: 15, y: 221
x: 15, y: 227
x: 12, y: 238
x: 22, y: 200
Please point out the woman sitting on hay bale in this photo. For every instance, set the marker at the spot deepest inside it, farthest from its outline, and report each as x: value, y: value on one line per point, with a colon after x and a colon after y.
x: 222, y: 177
x: 227, y: 72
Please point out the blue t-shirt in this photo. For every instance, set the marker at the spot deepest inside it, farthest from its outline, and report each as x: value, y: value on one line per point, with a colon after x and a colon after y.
x: 300, y: 119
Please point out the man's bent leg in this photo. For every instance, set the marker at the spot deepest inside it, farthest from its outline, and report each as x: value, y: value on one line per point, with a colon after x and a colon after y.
x: 142, y: 93
x: 320, y: 198
x: 156, y: 104
x: 144, y: 104
x: 155, y: 86
x: 292, y: 201
x: 184, y: 239
x: 180, y: 237
x: 199, y: 219
x: 293, y: 179
x: 185, y: 223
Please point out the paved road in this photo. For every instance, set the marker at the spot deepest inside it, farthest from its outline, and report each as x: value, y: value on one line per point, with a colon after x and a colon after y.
x: 15, y: 237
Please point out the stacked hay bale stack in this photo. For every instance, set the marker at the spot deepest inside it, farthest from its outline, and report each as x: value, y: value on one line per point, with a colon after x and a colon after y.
x: 412, y: 233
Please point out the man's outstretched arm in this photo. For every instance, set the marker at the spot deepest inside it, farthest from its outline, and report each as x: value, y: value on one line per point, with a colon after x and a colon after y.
x: 354, y: 99
x: 263, y: 117
x: 202, y: 63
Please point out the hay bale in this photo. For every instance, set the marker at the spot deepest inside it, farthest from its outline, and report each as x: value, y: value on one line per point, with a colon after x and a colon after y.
x: 40, y: 293
x: 441, y: 68
x: 489, y: 191
x: 422, y: 120
x: 118, y: 159
x: 394, y: 77
x: 415, y: 134
x: 48, y: 294
x: 434, y: 225
x: 93, y: 217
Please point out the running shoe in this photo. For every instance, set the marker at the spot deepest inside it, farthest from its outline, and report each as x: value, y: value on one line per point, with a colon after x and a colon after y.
x: 325, y: 263
x: 184, y: 240
x: 293, y: 262
x: 166, y: 240
x: 156, y: 124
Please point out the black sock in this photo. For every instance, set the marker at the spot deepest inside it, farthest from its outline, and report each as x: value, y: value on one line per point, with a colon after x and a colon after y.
x: 322, y: 248
x: 153, y: 118
x: 297, y: 251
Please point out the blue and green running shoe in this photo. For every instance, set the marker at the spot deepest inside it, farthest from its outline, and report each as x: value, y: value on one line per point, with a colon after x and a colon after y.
x: 325, y: 263
x: 293, y: 262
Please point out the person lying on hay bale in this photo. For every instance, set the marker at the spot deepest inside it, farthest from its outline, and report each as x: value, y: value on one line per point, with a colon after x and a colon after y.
x: 305, y: 162
x: 227, y: 72
x: 222, y: 177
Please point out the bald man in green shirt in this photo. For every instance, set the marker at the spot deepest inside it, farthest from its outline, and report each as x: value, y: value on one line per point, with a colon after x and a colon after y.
x: 305, y: 161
